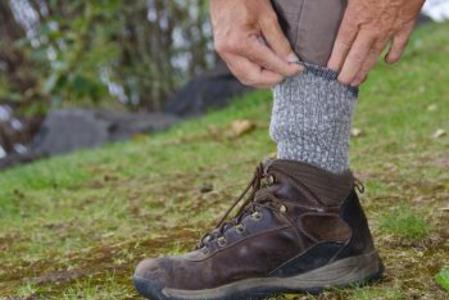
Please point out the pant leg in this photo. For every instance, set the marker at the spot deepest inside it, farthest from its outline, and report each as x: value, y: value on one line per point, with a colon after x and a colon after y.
x: 311, y: 26
x: 312, y: 112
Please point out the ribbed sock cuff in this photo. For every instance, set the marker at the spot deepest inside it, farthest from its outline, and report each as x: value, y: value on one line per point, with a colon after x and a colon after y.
x: 311, y: 119
x: 328, y: 74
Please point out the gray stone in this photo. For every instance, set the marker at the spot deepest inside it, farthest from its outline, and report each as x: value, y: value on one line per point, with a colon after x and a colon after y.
x: 211, y: 90
x: 71, y: 129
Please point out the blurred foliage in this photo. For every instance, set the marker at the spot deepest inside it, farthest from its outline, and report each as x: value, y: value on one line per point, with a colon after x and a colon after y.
x: 88, y: 52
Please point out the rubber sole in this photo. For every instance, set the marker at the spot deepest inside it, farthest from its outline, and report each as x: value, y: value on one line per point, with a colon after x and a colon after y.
x: 355, y: 270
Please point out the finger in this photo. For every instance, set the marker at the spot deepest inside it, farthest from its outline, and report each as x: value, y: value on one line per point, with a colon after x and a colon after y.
x: 400, y: 41
x: 276, y: 39
x: 369, y: 63
x: 250, y: 73
x: 356, y: 57
x: 364, y: 70
x: 263, y: 56
x: 345, y: 38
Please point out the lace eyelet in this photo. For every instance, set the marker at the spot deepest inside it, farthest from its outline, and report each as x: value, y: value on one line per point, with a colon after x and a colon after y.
x: 240, y: 228
x: 271, y: 180
x: 283, y: 209
x: 222, y: 241
x: 257, y: 216
x: 207, y: 239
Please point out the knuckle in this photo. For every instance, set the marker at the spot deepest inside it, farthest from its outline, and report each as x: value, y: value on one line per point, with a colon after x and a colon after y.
x: 221, y: 47
x: 345, y: 42
x: 378, y: 48
x: 248, y: 80
x: 376, y: 33
x: 393, y: 58
x: 402, y: 41
x: 244, y: 82
x: 358, y: 79
x: 345, y: 80
x: 348, y: 32
x: 357, y: 57
x: 346, y: 39
x: 268, y: 65
x: 277, y: 81
x: 232, y: 44
x: 269, y: 19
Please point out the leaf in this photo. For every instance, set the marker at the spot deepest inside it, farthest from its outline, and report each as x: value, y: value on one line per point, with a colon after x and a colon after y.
x: 442, y: 279
x: 432, y: 107
x: 241, y: 127
x: 356, y: 132
x: 439, y: 133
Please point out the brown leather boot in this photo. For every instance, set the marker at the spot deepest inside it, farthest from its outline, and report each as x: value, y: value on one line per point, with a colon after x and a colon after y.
x: 302, y: 229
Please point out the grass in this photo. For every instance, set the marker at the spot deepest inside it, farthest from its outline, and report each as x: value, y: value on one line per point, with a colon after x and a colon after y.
x: 73, y: 227
x: 402, y: 222
x: 378, y: 294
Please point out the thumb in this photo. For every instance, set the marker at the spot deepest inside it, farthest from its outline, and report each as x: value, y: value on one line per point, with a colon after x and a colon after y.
x: 276, y: 39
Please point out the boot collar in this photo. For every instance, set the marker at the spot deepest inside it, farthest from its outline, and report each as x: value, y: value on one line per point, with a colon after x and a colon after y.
x: 328, y: 188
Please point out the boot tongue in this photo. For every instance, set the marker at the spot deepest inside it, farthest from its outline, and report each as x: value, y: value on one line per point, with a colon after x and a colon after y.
x: 330, y: 189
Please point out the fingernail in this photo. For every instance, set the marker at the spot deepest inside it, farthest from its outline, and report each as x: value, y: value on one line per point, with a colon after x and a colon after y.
x: 301, y: 68
x: 293, y: 59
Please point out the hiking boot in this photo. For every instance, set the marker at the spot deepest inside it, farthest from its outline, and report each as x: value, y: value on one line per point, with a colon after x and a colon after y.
x: 301, y: 229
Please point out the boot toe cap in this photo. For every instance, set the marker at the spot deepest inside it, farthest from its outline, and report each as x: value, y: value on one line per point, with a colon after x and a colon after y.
x: 151, y: 277
x: 151, y: 269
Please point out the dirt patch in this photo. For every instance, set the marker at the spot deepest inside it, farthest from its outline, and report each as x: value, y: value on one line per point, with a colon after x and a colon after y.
x: 96, y: 261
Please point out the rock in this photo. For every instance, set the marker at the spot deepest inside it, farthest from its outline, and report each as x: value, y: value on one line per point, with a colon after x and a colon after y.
x: 212, y: 89
x: 70, y: 129
x: 18, y: 159
x: 124, y: 125
x: 66, y: 130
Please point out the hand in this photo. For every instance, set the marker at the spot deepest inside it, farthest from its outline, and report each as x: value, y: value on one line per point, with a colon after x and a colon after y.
x: 249, y: 39
x: 367, y: 27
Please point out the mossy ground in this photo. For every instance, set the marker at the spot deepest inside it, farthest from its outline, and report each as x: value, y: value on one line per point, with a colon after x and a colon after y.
x: 73, y: 227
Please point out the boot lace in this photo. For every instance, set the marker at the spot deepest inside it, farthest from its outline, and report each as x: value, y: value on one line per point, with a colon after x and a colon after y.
x: 259, y: 197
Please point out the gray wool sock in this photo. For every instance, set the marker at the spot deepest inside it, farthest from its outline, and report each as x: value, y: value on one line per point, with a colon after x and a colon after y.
x: 311, y: 119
